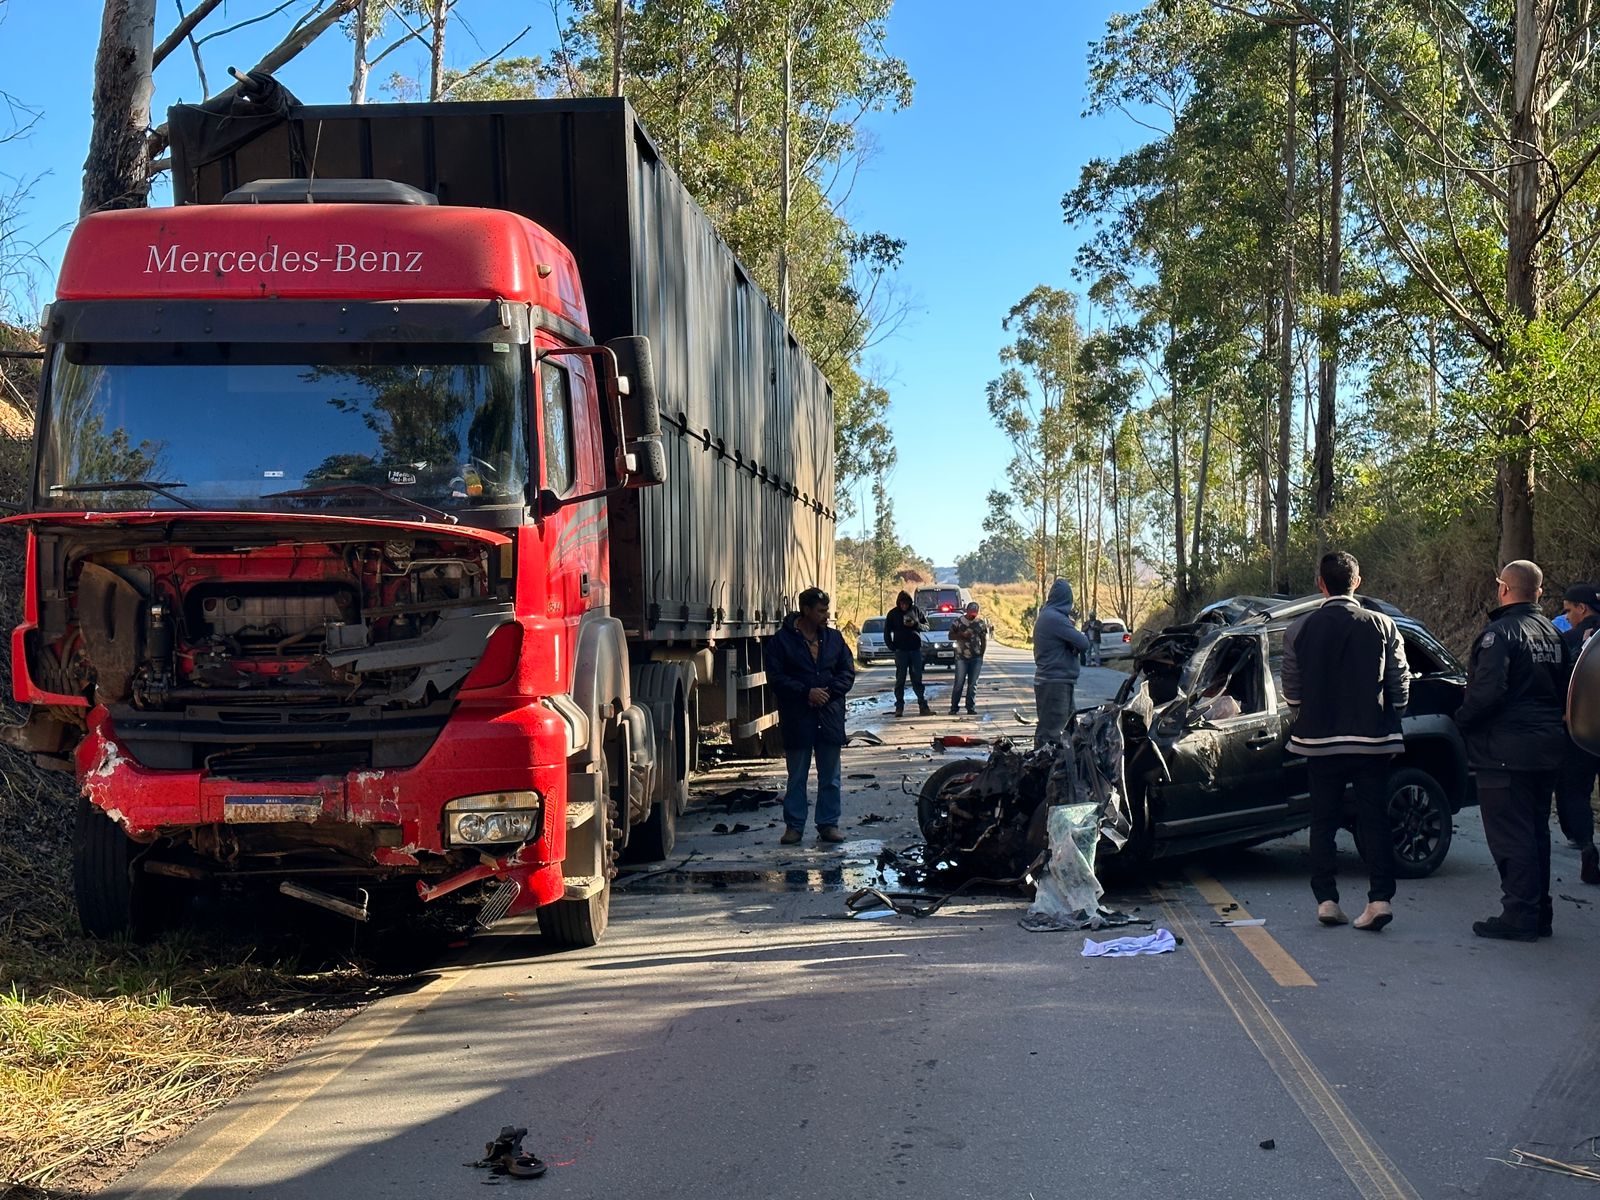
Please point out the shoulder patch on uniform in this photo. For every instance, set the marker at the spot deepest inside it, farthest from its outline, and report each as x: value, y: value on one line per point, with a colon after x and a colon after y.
x: 1488, y: 639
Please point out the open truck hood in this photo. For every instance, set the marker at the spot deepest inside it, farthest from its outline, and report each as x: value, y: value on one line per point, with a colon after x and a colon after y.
x: 253, y: 526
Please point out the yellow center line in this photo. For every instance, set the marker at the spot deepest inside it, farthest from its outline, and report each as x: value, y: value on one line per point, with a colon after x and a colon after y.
x: 1263, y: 947
x: 262, y: 1108
x: 1372, y: 1172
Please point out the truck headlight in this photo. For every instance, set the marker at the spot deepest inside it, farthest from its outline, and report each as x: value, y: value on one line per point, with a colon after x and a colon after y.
x: 494, y: 818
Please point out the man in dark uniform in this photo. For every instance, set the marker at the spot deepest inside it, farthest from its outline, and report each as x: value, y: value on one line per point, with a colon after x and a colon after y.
x: 1512, y: 719
x: 1581, y: 606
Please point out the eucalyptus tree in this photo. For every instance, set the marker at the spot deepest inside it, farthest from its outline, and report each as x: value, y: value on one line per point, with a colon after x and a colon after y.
x: 1477, y: 133
x: 758, y: 105
x: 1033, y: 401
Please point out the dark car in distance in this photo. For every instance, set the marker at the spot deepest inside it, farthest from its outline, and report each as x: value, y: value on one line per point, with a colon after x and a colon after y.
x: 1204, y: 730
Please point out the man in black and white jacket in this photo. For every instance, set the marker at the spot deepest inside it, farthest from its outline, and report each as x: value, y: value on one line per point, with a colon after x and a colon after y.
x: 1345, y: 675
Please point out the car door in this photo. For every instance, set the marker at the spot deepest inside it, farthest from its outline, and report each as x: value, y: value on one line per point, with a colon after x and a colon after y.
x: 1223, y: 742
x: 1296, y: 783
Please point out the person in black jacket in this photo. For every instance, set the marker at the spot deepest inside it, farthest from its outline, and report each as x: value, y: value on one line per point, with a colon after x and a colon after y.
x: 1512, y: 719
x: 903, y: 626
x: 812, y: 671
x: 1346, y: 678
x: 1581, y: 606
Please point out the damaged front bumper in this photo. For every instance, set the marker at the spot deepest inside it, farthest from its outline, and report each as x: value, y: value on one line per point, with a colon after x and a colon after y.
x: 364, y: 824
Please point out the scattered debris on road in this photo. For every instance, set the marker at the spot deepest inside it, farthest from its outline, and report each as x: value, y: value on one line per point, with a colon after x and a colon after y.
x: 1241, y: 923
x: 863, y: 737
x: 1538, y: 1162
x: 872, y: 818
x: 505, y: 1156
x: 1159, y: 942
x: 744, y: 799
x: 721, y: 828
x: 1269, y: 1144
x: 945, y: 741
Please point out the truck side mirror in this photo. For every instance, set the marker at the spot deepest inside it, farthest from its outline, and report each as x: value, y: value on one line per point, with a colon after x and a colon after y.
x: 641, y: 419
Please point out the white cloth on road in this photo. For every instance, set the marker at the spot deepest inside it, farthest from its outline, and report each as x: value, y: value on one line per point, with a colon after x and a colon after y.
x: 1159, y: 942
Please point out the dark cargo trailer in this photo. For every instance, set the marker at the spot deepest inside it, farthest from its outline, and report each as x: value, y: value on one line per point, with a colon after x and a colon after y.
x: 746, y: 519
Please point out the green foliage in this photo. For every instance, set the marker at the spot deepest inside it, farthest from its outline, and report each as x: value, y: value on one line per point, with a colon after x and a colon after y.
x: 708, y: 79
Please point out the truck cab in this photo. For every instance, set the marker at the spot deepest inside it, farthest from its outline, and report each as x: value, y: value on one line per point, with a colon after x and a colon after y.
x: 317, y: 575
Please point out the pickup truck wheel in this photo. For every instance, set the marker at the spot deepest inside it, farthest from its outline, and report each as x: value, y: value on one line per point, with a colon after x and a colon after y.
x: 576, y: 924
x: 930, y: 801
x: 114, y: 897
x: 1419, y: 815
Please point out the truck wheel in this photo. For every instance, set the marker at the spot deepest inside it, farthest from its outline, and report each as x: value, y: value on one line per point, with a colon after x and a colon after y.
x: 576, y: 924
x: 658, y: 687
x: 930, y: 801
x: 1419, y: 815
x: 115, y: 898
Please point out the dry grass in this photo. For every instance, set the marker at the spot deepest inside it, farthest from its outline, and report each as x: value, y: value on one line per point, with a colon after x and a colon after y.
x: 77, y: 1073
x: 107, y: 1049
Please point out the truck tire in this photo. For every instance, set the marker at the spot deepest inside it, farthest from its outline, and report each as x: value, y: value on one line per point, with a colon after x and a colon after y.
x: 1419, y: 815
x: 662, y: 688
x: 114, y: 897
x: 578, y: 924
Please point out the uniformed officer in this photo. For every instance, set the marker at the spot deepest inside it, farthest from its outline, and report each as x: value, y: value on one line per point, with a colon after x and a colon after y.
x: 1581, y: 607
x: 1512, y: 719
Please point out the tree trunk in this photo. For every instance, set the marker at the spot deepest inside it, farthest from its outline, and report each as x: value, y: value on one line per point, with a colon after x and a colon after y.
x: 1198, y: 517
x: 358, y: 78
x: 117, y: 172
x: 1280, y: 547
x: 1530, y: 75
x: 441, y: 13
x: 617, y: 19
x: 1331, y: 331
x: 1269, y: 352
x: 1182, y: 597
x: 786, y: 167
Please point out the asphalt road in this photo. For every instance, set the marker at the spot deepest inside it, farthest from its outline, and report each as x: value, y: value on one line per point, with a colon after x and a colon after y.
x: 736, y: 1035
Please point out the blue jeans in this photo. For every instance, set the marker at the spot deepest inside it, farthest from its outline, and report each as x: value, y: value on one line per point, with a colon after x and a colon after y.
x: 1054, y: 702
x: 830, y: 804
x: 966, y: 677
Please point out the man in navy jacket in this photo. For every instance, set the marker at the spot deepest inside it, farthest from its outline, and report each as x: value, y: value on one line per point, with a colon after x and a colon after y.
x: 812, y: 671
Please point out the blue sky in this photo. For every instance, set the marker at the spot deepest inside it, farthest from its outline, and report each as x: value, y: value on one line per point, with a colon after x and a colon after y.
x: 971, y: 176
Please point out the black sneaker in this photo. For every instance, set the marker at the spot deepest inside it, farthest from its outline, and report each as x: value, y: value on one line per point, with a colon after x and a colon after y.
x: 899, y: 710
x: 1589, y: 871
x: 925, y: 709
x: 1499, y: 927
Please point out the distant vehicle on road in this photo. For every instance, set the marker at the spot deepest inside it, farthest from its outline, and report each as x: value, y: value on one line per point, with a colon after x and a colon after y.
x: 937, y: 648
x: 870, y: 646
x: 943, y: 599
x: 1115, y: 640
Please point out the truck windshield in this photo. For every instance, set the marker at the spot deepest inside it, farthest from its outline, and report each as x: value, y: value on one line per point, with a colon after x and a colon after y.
x: 232, y: 424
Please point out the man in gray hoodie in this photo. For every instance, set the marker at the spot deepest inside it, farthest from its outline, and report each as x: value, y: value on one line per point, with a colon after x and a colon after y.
x: 1057, y: 644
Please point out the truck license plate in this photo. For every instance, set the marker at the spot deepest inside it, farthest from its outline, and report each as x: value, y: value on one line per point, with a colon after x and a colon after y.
x: 254, y: 809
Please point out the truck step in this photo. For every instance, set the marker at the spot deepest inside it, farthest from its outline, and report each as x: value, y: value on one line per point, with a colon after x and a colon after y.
x: 581, y: 887
x: 580, y: 812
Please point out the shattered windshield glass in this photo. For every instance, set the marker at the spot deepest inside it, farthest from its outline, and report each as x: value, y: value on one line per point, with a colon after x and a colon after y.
x: 233, y: 424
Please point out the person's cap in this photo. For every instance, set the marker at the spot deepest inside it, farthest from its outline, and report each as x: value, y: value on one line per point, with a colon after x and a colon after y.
x: 972, y: 606
x: 1583, y: 593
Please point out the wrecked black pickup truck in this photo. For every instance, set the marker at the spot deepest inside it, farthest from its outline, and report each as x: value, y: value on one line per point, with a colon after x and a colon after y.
x: 1204, y: 734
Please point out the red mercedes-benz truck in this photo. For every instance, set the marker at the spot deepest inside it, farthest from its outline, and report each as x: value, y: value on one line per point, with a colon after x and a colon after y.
x: 405, y: 501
